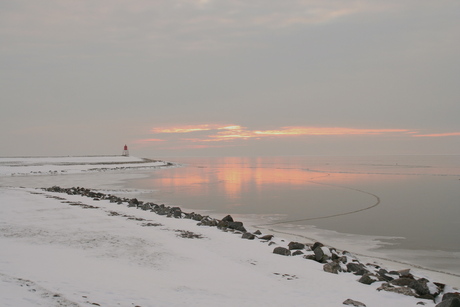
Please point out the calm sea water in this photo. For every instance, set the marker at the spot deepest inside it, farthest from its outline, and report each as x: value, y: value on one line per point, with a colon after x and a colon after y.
x: 413, y: 198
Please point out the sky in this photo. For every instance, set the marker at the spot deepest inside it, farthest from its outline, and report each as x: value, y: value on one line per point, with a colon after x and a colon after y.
x: 229, y: 78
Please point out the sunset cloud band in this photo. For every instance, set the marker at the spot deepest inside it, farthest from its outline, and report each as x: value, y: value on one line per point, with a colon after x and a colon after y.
x: 215, y: 135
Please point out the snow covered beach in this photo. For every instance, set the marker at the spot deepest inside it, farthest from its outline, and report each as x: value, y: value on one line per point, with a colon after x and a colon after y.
x: 69, y: 250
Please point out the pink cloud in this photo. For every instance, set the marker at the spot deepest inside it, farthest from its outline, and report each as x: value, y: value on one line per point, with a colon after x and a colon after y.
x: 439, y: 134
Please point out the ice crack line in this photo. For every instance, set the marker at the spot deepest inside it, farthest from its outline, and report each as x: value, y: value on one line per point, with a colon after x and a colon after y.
x: 377, y: 202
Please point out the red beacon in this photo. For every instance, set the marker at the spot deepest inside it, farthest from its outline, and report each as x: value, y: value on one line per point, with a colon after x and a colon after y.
x: 125, y: 151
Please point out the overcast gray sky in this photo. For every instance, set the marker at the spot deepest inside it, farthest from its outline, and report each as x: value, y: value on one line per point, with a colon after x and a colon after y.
x: 209, y: 77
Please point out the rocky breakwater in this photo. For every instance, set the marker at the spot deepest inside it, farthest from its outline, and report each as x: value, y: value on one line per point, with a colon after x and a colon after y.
x: 402, y: 281
x: 333, y: 261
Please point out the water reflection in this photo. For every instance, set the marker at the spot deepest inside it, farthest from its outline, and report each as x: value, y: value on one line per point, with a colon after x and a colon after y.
x: 414, y: 192
x: 260, y: 185
x: 233, y: 177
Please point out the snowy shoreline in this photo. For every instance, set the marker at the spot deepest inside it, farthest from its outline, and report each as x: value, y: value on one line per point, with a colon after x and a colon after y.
x: 26, y: 166
x: 85, y: 248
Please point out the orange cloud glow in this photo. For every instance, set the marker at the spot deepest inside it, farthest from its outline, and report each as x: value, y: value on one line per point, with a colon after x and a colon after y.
x: 206, y: 134
x: 327, y: 131
x: 143, y: 141
x: 194, y: 128
x: 230, y: 132
x: 439, y: 134
x: 238, y: 132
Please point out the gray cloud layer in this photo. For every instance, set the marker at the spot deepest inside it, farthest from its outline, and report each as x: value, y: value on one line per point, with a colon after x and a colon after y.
x: 83, y: 77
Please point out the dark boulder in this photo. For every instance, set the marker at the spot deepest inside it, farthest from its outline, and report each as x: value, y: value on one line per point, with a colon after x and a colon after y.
x: 145, y: 206
x: 405, y: 273
x: 310, y: 257
x: 351, y: 302
x: 320, y: 254
x: 197, y: 217
x: 296, y: 245
x: 248, y: 235
x: 368, y: 279
x: 420, y: 286
x: 282, y: 251
x: 317, y: 244
x: 357, y: 268
x: 384, y: 275
x: 266, y: 237
x: 208, y: 221
x: 450, y: 302
x: 237, y: 226
x: 176, y: 212
x: 224, y: 223
x: 228, y: 218
x: 449, y: 295
x: 404, y: 290
x: 332, y: 267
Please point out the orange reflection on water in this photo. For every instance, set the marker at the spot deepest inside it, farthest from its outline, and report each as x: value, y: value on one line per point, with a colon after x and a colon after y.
x: 233, y: 177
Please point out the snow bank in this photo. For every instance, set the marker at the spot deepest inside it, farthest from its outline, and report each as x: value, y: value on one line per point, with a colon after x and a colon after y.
x: 69, y: 250
x: 25, y: 166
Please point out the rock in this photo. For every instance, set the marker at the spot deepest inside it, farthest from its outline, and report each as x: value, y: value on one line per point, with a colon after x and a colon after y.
x: 332, y: 267
x: 317, y: 244
x: 368, y: 279
x: 228, y: 218
x: 420, y: 286
x: 450, y: 302
x: 401, y: 290
x: 405, y: 273
x: 145, y: 206
x: 237, y: 226
x: 449, y: 295
x: 296, y: 245
x: 297, y: 252
x: 197, y: 217
x: 161, y: 210
x: 351, y: 302
x: 208, y: 221
x: 282, y: 251
x: 383, y: 275
x: 232, y: 225
x: 310, y: 257
x: 266, y: 237
x: 357, y: 268
x: 257, y: 232
x: 402, y: 282
x: 322, y: 254
x: 248, y: 235
x: 176, y: 212
x: 426, y: 297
